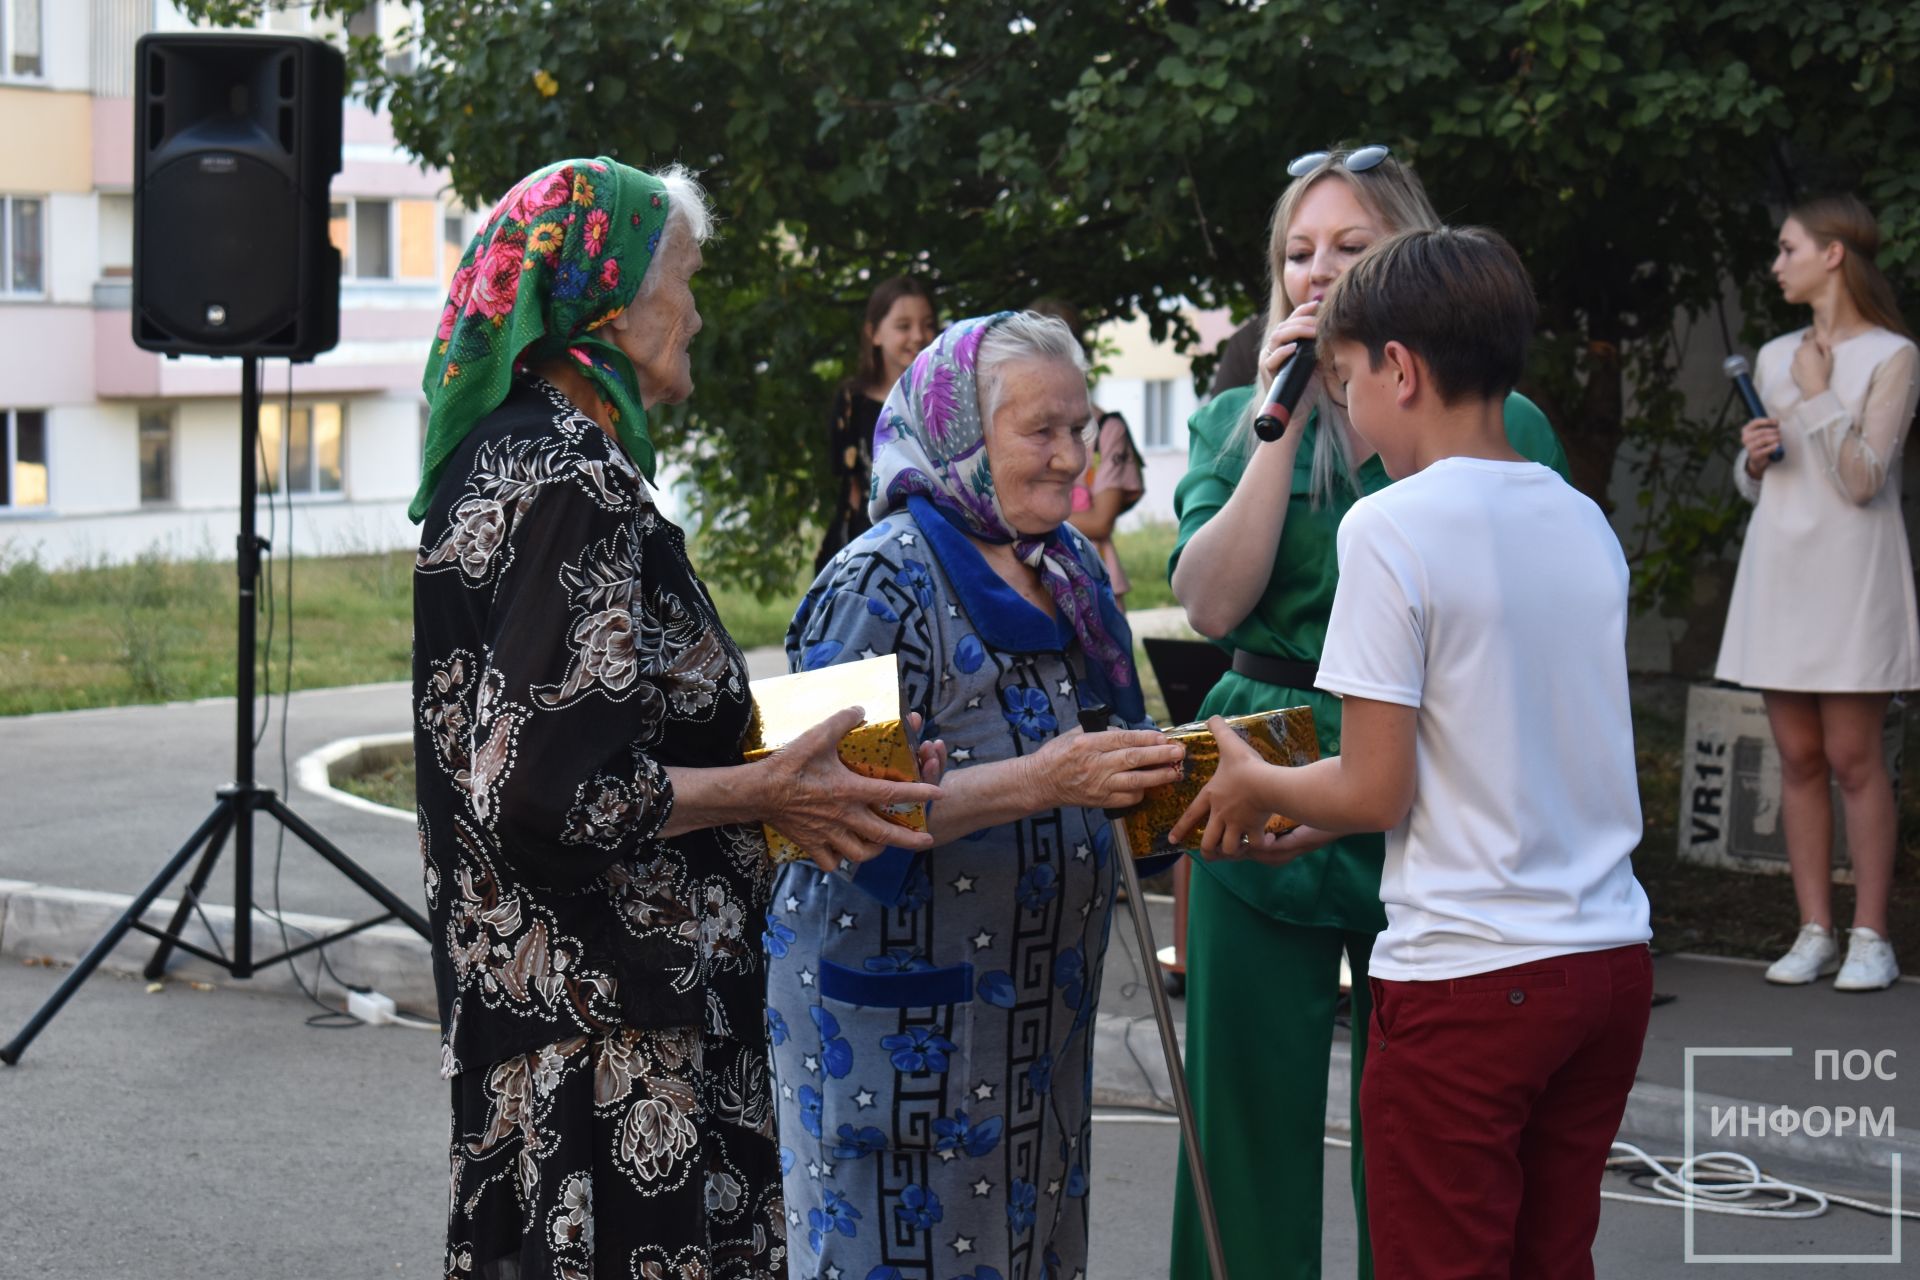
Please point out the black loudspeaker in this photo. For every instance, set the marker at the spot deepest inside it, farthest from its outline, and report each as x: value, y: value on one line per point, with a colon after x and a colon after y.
x: 236, y: 139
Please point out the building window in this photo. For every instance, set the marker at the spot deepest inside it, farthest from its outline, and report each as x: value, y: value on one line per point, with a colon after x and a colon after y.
x: 453, y: 244
x: 23, y: 478
x: 301, y: 452
x: 385, y: 239
x: 418, y: 238
x: 20, y: 38
x: 116, y: 235
x: 23, y: 245
x: 373, y: 239
x: 156, y: 457
x: 362, y: 230
x: 1157, y: 426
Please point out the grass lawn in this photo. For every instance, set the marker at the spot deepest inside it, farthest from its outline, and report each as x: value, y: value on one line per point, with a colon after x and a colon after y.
x: 390, y: 785
x: 156, y: 631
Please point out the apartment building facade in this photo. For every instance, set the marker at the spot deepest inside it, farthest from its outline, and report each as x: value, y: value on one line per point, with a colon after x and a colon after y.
x: 107, y: 451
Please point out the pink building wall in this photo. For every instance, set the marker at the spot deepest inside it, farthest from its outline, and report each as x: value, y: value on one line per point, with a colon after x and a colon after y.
x: 49, y: 353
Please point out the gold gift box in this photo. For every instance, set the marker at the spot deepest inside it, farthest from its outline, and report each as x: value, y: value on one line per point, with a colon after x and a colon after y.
x: 1282, y: 737
x: 784, y: 707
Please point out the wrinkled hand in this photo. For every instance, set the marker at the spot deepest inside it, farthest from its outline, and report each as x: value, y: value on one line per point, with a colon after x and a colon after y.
x: 1812, y: 366
x: 1760, y: 438
x: 1107, y: 770
x: 831, y: 811
x: 1230, y: 803
x: 1284, y: 339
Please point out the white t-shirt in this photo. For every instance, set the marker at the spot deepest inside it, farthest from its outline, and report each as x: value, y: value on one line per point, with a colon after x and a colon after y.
x: 1493, y: 597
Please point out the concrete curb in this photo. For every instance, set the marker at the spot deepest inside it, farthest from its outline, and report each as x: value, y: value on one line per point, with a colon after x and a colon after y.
x: 50, y: 924
x: 315, y: 770
x: 1657, y: 1116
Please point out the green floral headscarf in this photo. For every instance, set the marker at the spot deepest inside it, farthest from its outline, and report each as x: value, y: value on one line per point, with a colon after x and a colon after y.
x: 562, y: 254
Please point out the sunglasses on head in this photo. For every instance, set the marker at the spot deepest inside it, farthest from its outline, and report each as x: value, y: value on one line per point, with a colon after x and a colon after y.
x: 1359, y: 160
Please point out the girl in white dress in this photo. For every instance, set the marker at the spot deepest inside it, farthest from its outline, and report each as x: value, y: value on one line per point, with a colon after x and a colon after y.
x: 1823, y: 618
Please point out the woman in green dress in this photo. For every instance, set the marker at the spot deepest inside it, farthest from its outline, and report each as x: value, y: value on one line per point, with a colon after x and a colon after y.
x: 1255, y: 569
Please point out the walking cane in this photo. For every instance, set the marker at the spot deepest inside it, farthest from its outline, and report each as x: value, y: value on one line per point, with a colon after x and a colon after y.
x: 1094, y: 720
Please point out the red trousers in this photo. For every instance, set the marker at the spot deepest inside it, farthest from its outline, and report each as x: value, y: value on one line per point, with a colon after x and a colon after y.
x: 1489, y: 1105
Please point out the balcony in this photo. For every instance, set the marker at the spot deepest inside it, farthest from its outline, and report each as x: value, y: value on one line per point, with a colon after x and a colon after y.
x: 385, y: 331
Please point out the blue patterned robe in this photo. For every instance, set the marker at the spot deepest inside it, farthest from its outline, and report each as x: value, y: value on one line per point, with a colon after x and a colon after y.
x: 932, y: 1016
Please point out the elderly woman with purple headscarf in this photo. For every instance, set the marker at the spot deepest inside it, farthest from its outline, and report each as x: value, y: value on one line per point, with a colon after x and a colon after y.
x: 931, y: 1015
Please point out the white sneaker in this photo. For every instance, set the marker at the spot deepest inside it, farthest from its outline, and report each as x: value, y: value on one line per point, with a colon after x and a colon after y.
x: 1870, y: 964
x: 1815, y: 955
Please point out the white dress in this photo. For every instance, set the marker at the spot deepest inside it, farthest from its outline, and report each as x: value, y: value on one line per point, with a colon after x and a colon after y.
x: 1824, y: 598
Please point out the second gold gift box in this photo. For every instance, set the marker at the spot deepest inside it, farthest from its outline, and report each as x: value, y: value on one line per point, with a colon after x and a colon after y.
x: 1283, y: 737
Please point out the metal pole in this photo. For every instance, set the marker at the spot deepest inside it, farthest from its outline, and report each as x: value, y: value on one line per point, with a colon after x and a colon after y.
x: 1094, y: 720
x: 248, y: 567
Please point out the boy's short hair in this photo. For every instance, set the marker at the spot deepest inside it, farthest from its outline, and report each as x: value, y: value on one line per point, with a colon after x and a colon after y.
x: 1458, y: 297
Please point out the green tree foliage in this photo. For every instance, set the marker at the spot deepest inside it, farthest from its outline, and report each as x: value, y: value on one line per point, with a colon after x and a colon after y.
x: 1126, y: 154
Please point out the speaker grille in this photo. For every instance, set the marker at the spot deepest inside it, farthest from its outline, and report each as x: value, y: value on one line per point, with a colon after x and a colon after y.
x: 221, y: 232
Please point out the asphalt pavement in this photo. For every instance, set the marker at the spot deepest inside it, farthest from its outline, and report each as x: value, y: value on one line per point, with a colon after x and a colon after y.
x: 214, y: 1135
x: 100, y: 799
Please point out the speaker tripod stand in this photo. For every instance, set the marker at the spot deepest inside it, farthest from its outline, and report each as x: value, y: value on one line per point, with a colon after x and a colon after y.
x: 233, y: 811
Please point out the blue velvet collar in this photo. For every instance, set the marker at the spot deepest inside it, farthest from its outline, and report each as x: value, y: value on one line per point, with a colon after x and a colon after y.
x: 1002, y: 616
x: 1005, y: 621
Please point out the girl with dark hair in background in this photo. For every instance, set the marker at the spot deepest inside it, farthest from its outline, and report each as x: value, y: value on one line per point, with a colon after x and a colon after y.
x: 1822, y: 616
x: 899, y: 324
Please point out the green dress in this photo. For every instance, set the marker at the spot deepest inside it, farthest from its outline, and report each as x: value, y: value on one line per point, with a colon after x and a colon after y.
x: 1264, y: 943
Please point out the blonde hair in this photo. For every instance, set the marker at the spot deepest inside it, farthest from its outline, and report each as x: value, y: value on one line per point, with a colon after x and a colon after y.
x: 1393, y: 195
x: 1847, y: 219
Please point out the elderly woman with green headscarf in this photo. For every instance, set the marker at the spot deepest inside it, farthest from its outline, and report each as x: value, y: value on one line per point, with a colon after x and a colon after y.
x: 596, y: 871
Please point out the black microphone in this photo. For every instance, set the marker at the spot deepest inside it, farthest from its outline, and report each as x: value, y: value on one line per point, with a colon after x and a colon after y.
x: 1288, y: 385
x: 1736, y: 368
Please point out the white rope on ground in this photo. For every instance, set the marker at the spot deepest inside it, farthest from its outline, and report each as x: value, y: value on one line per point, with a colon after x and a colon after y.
x: 1715, y: 1181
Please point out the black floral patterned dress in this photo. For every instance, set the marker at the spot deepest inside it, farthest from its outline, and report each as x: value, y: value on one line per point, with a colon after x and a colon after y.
x: 850, y: 453
x: 601, y: 995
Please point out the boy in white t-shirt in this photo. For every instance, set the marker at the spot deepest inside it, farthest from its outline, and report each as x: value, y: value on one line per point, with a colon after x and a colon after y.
x: 1478, y: 641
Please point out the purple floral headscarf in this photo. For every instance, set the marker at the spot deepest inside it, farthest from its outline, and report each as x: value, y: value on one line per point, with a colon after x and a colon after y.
x: 930, y: 441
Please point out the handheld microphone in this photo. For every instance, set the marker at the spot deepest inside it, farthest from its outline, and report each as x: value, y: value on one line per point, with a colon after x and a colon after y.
x: 1735, y: 367
x: 1288, y: 385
